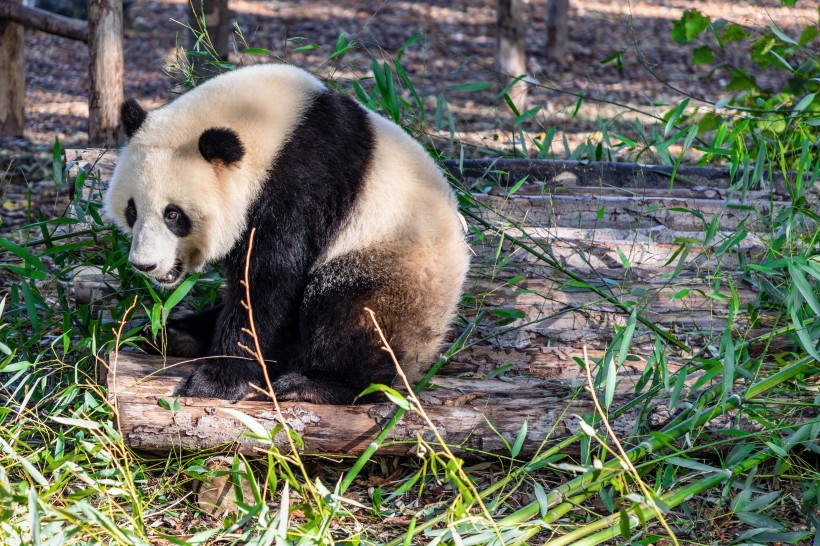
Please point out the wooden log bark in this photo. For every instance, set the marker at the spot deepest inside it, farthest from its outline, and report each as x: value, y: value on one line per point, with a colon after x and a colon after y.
x: 460, y: 409
x: 12, y: 76
x: 106, y: 68
x: 557, y: 27
x: 45, y: 21
x: 510, y: 48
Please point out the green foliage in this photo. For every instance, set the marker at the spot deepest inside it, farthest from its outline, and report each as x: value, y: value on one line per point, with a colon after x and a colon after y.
x: 775, y: 119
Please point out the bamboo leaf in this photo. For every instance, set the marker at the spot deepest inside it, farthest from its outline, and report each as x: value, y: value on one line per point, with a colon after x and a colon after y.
x: 256, y: 428
x: 779, y: 33
x: 519, y: 440
x: 798, y: 277
x: 176, y: 296
x: 392, y: 394
x: 541, y: 497
x: 469, y: 87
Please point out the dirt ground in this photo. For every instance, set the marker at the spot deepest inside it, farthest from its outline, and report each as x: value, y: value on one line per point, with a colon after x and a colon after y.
x: 458, y: 46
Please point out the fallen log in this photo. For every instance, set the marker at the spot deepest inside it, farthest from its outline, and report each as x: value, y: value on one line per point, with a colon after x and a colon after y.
x: 592, y: 174
x: 464, y: 410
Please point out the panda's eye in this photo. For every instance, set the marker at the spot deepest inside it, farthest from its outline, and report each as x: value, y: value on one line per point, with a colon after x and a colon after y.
x: 177, y: 221
x: 131, y: 213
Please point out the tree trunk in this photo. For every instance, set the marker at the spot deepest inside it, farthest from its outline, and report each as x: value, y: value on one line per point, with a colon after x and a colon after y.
x: 106, y: 60
x: 512, y: 61
x: 557, y: 25
x: 12, y: 80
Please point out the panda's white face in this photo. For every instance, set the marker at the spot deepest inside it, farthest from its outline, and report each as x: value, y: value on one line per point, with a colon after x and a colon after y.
x: 193, y: 167
x: 158, y: 197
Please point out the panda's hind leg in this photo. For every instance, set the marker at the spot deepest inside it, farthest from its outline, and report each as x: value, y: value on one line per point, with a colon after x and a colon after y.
x: 341, y: 351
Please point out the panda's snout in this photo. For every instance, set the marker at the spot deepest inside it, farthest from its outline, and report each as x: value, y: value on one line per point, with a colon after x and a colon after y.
x: 145, y: 268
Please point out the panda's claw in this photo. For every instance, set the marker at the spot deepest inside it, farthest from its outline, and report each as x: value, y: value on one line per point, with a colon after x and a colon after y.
x: 296, y: 387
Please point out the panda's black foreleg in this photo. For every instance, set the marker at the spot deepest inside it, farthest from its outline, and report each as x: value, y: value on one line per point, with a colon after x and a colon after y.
x: 227, y: 378
x: 229, y: 371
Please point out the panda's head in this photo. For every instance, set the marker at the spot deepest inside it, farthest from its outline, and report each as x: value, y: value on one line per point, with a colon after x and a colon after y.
x: 172, y: 192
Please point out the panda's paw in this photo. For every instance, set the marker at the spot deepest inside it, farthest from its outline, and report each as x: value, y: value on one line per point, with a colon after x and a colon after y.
x: 216, y: 380
x: 295, y: 387
x: 182, y: 343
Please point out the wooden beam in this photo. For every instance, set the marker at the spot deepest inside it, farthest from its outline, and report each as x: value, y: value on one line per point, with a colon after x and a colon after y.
x: 559, y: 174
x: 45, y: 21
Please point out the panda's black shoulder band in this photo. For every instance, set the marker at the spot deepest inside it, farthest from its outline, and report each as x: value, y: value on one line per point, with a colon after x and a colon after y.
x: 132, y: 116
x: 221, y: 144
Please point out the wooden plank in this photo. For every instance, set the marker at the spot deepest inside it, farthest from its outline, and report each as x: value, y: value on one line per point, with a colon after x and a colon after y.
x: 540, y: 362
x: 595, y: 254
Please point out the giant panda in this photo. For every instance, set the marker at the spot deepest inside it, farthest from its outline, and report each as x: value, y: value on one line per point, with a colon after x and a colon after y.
x: 349, y: 213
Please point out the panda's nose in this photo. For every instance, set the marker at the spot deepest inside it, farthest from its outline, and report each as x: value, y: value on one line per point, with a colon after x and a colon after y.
x: 145, y: 268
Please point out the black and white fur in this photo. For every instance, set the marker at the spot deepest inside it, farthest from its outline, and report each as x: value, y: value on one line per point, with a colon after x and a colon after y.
x: 349, y: 211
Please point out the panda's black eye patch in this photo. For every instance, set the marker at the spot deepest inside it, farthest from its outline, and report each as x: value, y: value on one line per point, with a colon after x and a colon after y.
x: 177, y: 221
x: 131, y: 213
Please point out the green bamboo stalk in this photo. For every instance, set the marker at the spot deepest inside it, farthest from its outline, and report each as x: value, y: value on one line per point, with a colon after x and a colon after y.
x: 646, y: 447
x: 609, y: 527
x: 579, y: 489
x: 486, y: 493
x: 780, y: 376
x: 570, y: 503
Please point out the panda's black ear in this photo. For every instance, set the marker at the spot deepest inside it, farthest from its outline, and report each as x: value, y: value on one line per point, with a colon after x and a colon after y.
x: 221, y: 145
x: 132, y: 116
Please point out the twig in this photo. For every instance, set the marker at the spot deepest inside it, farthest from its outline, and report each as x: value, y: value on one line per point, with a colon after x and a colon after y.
x: 246, y: 303
x: 257, y: 354
x: 624, y: 458
x: 112, y: 369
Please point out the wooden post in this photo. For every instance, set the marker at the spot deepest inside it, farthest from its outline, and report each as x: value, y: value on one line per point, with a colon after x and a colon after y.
x: 557, y: 23
x: 12, y: 80
x: 106, y: 60
x: 510, y: 48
